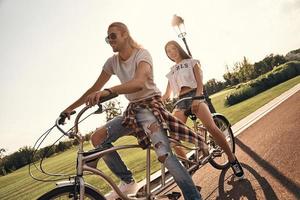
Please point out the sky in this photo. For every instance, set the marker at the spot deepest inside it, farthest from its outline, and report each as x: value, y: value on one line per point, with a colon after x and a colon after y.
x: 52, y: 51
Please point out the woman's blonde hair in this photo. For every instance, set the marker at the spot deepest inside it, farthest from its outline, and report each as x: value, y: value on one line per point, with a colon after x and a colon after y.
x: 124, y: 28
x: 182, y: 53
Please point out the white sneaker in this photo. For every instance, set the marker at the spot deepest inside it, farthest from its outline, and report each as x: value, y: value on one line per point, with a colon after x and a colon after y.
x: 126, y: 188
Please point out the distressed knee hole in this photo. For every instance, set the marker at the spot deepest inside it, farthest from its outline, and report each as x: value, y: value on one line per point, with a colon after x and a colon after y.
x: 154, y: 127
x: 162, y: 158
x: 99, y: 136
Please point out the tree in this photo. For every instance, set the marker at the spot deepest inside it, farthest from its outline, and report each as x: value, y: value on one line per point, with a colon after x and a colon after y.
x: 113, y: 109
x: 260, y: 68
x: 18, y: 159
x: 2, y: 152
x: 212, y: 86
x: 2, y: 161
x: 62, y: 146
x: 293, y: 55
x: 229, y: 77
x: 278, y: 60
x: 242, y: 72
x: 273, y: 61
x: 247, y: 70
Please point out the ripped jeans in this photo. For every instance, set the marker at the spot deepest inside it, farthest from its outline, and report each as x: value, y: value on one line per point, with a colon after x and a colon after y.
x: 162, y: 149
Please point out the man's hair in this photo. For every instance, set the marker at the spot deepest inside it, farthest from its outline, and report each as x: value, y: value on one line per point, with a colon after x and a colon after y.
x: 123, y: 28
x: 182, y: 53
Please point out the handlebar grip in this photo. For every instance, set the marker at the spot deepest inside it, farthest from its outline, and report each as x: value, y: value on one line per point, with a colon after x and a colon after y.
x: 63, y: 117
x: 199, y: 97
x: 107, y: 98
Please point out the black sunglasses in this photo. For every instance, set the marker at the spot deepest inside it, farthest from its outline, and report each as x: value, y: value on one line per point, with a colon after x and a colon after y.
x: 111, y: 36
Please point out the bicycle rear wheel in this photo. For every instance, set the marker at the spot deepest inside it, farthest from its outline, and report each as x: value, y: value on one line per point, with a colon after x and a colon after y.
x: 220, y: 159
x: 68, y: 192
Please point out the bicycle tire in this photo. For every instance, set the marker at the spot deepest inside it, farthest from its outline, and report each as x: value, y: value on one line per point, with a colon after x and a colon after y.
x: 221, y: 161
x: 67, y: 192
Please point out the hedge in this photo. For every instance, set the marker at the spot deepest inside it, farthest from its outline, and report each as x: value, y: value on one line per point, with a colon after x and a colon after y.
x: 278, y: 75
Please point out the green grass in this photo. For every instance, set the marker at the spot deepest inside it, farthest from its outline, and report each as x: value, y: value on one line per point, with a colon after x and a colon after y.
x: 19, y: 185
x: 238, y: 111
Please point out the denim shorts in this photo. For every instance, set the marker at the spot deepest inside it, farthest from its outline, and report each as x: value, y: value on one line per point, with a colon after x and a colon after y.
x: 185, y: 105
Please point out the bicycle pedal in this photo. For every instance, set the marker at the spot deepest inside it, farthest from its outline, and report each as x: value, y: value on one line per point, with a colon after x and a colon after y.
x: 205, y: 159
x: 217, y: 153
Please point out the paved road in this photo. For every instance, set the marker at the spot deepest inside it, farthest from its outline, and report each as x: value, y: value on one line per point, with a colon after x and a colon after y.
x: 269, y: 152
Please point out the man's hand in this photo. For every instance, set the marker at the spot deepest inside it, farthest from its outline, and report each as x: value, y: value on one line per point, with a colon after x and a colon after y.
x: 94, y: 97
x: 66, y: 113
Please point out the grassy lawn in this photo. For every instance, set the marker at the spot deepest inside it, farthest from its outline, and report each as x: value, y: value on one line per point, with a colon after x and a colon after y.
x: 19, y: 185
x: 238, y: 111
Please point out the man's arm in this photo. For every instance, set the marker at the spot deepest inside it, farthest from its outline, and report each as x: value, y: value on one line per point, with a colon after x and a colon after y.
x: 136, y: 84
x: 100, y: 82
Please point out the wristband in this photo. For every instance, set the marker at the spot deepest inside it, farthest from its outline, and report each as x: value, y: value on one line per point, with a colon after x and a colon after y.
x: 108, y: 90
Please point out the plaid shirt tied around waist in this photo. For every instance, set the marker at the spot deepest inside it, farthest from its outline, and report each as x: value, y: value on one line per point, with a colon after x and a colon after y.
x: 177, y: 129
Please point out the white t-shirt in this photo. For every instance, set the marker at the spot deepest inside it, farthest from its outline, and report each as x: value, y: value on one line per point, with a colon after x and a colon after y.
x: 125, y: 71
x: 181, y: 75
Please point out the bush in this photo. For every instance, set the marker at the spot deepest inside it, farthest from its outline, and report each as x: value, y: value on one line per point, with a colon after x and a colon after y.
x: 278, y: 75
x: 240, y: 95
x: 25, y: 155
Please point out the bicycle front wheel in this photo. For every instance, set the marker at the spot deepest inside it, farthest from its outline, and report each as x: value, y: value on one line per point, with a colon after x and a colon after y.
x: 70, y: 192
x: 220, y: 159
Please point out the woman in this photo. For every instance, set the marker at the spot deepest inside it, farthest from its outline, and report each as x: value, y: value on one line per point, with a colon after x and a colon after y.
x: 185, y: 80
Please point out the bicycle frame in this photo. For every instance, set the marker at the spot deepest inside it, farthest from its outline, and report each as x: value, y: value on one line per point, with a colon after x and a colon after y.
x: 153, y: 187
x: 82, y: 159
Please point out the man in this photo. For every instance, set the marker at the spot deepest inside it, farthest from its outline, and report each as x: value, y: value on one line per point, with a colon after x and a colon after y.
x: 144, y: 114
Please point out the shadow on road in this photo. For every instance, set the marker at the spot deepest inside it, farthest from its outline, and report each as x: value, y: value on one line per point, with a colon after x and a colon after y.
x: 243, y: 189
x: 285, y: 181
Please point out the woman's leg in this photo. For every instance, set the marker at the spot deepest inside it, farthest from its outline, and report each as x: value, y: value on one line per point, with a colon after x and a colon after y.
x: 163, y: 151
x: 180, y: 151
x: 102, y: 139
x: 204, y: 115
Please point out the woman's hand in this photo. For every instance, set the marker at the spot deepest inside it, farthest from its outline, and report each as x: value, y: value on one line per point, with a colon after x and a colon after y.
x: 165, y: 98
x: 195, y: 106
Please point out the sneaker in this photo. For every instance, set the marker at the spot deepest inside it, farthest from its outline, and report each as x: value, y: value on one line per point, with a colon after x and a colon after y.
x: 126, y: 188
x: 237, y: 169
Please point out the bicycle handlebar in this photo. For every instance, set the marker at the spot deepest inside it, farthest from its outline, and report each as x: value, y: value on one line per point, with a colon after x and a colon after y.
x: 107, y: 98
x: 202, y: 97
x: 60, y: 120
x: 63, y: 116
